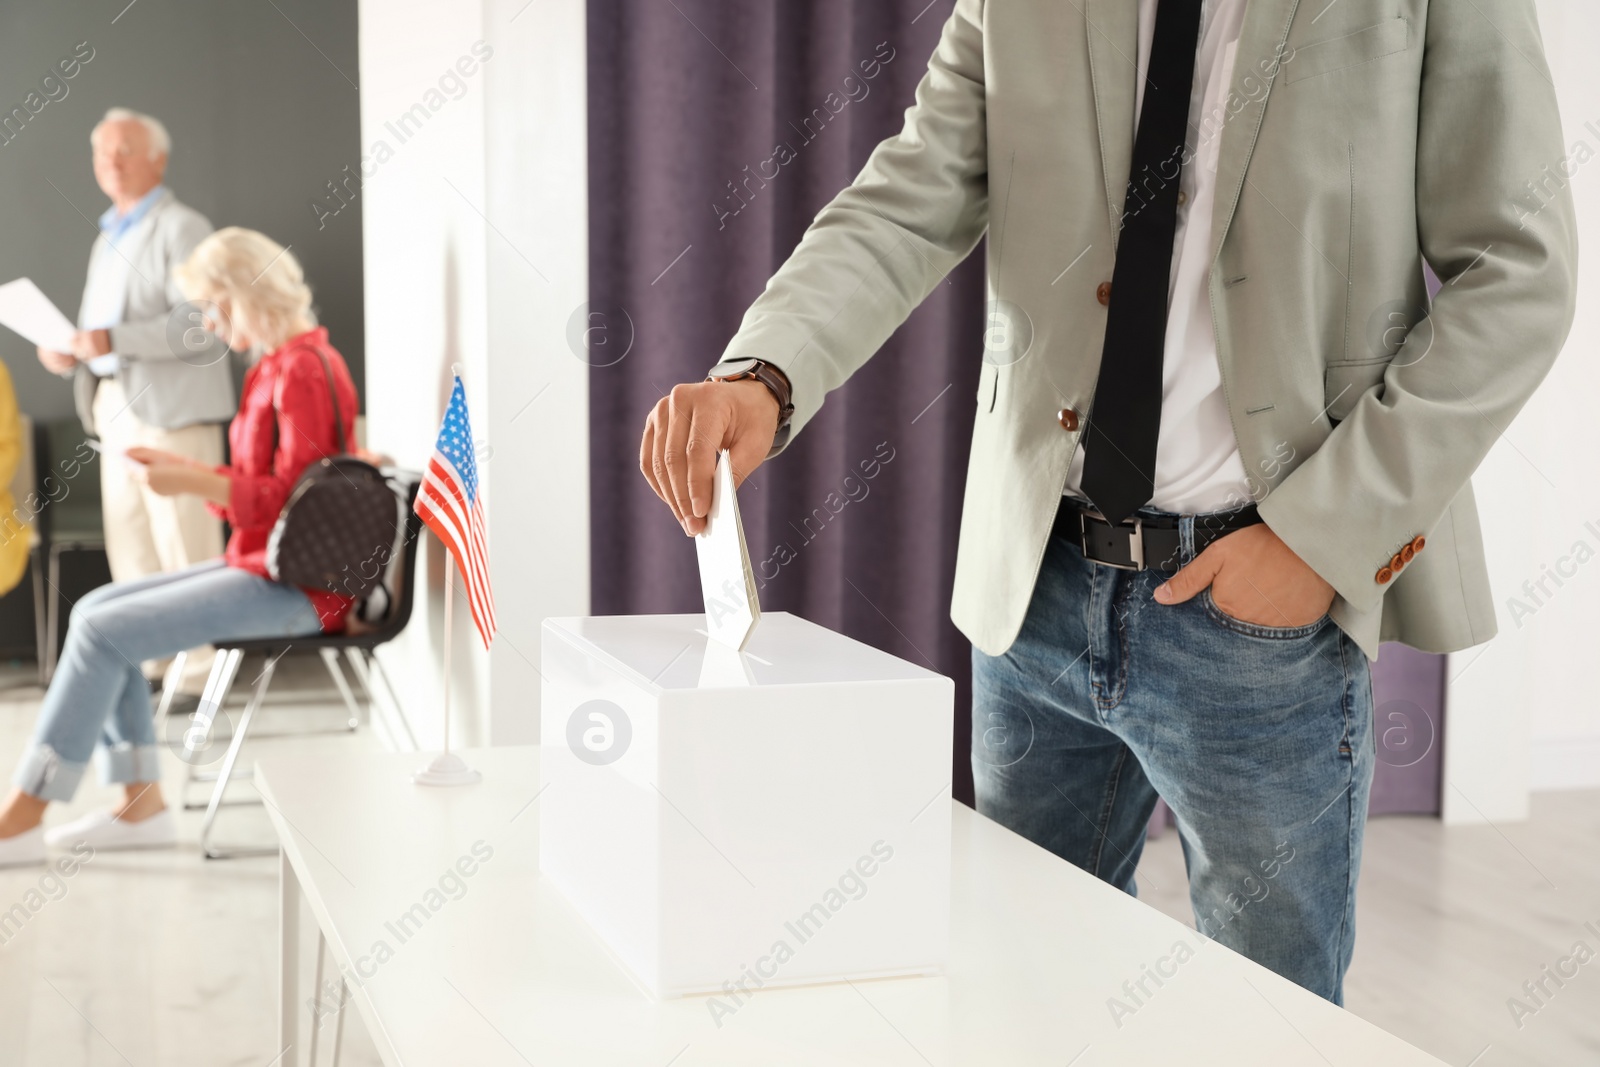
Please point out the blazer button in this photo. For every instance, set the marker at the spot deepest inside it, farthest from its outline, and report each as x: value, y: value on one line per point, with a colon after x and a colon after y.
x: 1408, y: 553
x: 1384, y: 574
x: 1395, y: 562
x: 1419, y: 542
x: 1103, y: 294
x: 1068, y: 419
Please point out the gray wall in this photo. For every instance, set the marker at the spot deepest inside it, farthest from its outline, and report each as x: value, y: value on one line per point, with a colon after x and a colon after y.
x: 261, y: 119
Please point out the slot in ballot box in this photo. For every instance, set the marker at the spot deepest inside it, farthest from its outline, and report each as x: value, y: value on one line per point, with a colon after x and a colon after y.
x: 729, y: 820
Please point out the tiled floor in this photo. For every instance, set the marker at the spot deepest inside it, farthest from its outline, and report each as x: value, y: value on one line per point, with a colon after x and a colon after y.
x: 166, y: 959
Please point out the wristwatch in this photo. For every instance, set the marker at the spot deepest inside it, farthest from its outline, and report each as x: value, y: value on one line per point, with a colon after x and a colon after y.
x: 735, y: 370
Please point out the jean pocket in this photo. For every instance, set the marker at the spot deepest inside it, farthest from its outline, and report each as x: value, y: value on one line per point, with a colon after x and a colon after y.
x: 1254, y: 629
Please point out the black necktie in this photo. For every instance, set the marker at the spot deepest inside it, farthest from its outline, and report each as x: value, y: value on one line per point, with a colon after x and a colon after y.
x: 1120, y: 443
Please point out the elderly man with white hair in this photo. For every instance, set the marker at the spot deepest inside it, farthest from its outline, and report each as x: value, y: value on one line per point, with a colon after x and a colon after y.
x: 145, y: 370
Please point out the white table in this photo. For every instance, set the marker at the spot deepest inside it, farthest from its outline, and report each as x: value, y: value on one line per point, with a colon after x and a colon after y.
x: 502, y: 971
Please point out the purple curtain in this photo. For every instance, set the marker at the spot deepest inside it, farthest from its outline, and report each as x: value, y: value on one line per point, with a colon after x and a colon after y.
x: 1408, y: 725
x: 716, y: 132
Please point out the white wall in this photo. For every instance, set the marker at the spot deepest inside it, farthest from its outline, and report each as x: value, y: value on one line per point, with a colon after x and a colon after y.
x: 454, y: 216
x: 1524, y: 710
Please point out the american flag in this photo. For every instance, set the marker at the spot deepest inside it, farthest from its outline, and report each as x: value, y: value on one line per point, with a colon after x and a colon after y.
x: 449, y: 504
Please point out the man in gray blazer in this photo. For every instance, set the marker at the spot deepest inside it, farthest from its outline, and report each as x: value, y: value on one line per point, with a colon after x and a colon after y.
x: 1223, y: 439
x: 144, y: 369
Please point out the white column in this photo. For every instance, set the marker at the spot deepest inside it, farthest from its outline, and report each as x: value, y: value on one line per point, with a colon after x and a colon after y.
x: 536, y: 180
x: 473, y: 118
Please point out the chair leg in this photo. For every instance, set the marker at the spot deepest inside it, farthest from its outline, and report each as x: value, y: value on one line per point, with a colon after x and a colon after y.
x: 394, y: 698
x: 168, y: 690
x: 218, y: 683
x: 40, y: 613
x: 52, y: 629
x: 330, y: 658
x: 226, y: 773
x: 359, y: 669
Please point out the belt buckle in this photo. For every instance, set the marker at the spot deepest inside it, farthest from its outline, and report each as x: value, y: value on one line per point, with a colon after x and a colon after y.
x: 1135, y: 541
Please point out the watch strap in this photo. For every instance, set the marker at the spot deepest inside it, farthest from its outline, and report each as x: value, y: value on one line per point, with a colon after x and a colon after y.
x: 775, y: 380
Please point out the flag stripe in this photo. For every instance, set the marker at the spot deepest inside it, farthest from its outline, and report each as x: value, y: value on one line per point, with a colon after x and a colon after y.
x: 468, y: 529
x: 442, y: 493
x: 480, y: 551
x: 444, y: 526
x: 465, y: 539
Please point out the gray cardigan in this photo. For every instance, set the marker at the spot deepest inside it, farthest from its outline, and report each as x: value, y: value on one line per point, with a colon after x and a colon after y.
x: 173, y: 373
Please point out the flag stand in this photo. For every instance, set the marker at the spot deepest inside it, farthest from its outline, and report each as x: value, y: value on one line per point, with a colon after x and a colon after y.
x: 447, y: 768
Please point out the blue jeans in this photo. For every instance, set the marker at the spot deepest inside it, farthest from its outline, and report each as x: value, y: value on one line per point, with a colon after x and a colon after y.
x: 1258, y: 738
x: 98, y: 692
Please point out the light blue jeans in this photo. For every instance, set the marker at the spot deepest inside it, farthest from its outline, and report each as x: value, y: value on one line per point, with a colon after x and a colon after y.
x: 1259, y: 739
x: 98, y: 692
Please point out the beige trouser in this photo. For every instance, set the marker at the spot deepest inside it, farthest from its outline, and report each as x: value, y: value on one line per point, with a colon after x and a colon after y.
x: 147, y: 533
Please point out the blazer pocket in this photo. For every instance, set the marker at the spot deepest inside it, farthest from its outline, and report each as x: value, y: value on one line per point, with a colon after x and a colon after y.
x: 1338, y: 53
x: 1347, y: 381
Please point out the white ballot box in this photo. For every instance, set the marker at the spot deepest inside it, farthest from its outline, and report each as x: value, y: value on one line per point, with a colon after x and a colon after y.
x: 730, y: 820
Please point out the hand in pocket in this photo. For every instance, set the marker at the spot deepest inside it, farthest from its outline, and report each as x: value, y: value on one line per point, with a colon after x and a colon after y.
x: 1255, y: 578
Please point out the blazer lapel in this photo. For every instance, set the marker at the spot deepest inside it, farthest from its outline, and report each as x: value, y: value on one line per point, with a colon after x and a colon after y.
x: 136, y: 243
x: 1261, y: 39
x: 1113, y: 32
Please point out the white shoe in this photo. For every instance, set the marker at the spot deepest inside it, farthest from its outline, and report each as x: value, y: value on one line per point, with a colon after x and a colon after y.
x: 100, y: 830
x: 23, y: 850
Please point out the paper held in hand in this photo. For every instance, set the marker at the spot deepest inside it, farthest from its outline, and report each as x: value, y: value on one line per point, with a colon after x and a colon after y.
x: 29, y: 312
x: 727, y: 580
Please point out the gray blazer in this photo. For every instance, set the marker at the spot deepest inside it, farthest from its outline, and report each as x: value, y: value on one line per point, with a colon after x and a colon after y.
x: 174, y: 373
x: 1361, y: 137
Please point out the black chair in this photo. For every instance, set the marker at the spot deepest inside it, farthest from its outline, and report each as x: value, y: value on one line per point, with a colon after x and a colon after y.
x: 357, y: 648
x: 70, y: 522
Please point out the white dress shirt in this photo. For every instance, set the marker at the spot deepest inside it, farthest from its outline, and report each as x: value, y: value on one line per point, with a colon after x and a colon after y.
x: 103, y: 297
x: 105, y: 294
x: 1198, y: 467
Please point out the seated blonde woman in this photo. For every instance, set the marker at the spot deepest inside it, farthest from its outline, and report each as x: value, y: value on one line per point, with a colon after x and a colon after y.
x: 98, y: 696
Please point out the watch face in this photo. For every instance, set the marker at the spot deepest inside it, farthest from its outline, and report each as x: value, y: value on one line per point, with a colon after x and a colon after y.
x: 733, y: 367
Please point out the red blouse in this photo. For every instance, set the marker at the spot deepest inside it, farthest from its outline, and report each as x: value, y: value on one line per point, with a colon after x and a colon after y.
x: 267, y: 461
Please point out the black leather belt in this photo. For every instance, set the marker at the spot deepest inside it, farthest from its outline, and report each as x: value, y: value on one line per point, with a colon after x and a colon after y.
x: 1140, y: 543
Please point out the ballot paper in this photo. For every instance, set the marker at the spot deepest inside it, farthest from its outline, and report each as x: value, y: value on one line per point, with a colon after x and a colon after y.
x: 727, y: 580
x: 114, y: 453
x: 28, y: 311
